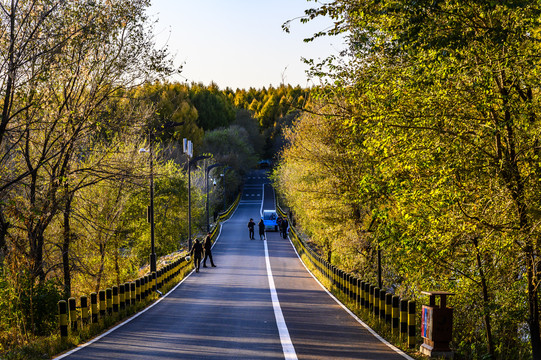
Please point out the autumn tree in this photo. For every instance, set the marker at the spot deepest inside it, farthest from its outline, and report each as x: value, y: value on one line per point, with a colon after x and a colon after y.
x: 436, y: 104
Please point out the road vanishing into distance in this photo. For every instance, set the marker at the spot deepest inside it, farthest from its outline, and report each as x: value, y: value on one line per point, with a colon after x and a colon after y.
x: 260, y: 302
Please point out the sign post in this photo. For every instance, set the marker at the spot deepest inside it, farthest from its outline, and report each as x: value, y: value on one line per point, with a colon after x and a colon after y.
x: 437, y: 326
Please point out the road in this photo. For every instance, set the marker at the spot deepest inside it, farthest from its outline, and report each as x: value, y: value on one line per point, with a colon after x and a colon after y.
x: 251, y: 306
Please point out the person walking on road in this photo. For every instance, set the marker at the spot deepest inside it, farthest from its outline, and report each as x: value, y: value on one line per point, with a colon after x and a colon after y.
x: 207, y: 245
x: 261, y: 230
x: 284, y: 226
x: 251, y: 226
x: 279, y: 223
x: 196, y: 252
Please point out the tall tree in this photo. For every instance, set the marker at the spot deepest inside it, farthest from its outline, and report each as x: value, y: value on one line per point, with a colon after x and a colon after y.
x: 441, y: 96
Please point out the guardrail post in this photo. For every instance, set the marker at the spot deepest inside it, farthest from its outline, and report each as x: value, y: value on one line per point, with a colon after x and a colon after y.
x: 63, y: 319
x: 411, y: 324
x: 121, y: 304
x: 382, y: 304
x: 94, y: 307
x: 115, y: 299
x: 388, y: 308
x: 72, y: 305
x: 351, y: 288
x: 109, y: 295
x: 101, y: 294
x: 358, y: 292
x: 396, y: 314
x: 361, y: 293
x: 154, y: 279
x: 371, y: 298
x: 84, y: 310
x: 127, y: 295
x: 144, y: 285
x: 376, y: 302
x: 132, y: 292
x: 367, y: 296
x: 138, y: 290
x: 403, y: 319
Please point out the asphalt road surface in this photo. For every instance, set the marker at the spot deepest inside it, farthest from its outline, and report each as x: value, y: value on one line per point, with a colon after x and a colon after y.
x: 258, y: 303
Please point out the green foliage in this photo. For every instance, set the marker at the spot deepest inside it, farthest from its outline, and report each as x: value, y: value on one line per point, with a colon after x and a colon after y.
x: 213, y: 107
x: 425, y: 145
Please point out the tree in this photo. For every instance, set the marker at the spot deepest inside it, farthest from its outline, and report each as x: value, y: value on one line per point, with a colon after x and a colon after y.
x: 441, y: 98
x: 213, y: 107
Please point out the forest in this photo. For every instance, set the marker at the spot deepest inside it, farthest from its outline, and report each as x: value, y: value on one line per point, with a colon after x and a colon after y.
x: 83, y: 93
x: 423, y: 147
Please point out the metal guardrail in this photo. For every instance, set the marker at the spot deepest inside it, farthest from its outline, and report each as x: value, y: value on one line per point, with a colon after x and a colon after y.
x: 125, y: 299
x: 396, y: 313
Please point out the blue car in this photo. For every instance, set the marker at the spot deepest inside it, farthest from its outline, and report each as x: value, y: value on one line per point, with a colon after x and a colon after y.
x: 270, y: 220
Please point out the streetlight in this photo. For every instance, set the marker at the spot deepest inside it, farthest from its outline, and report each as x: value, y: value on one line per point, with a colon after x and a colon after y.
x: 188, y: 150
x: 207, y: 189
x: 223, y: 174
x: 150, y: 209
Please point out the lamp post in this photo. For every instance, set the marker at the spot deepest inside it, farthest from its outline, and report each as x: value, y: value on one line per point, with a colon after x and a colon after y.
x: 150, y: 209
x: 190, y: 163
x: 207, y: 190
x: 223, y: 174
x: 188, y: 150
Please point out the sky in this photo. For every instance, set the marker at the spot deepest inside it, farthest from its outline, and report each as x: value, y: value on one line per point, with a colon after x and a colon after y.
x: 240, y: 43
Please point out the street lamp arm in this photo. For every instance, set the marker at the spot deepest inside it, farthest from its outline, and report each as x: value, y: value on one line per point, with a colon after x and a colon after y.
x: 212, y: 167
x: 197, y: 158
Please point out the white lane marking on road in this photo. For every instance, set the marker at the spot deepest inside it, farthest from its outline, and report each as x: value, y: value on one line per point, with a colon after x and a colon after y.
x: 262, y: 200
x: 400, y: 352
x: 287, y: 345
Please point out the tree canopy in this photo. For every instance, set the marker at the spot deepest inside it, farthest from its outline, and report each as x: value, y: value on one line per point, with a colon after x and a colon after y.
x: 431, y: 153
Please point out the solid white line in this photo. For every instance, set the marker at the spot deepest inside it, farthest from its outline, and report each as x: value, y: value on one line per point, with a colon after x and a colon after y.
x: 287, y: 345
x: 262, y: 200
x: 349, y: 311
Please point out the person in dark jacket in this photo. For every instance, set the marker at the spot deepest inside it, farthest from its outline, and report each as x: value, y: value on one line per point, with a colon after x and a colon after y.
x: 261, y: 230
x: 279, y: 223
x: 196, y: 252
x: 251, y: 226
x: 284, y: 226
x: 208, y: 254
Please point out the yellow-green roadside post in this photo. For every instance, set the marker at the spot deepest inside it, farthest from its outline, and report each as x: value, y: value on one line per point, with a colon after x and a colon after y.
x: 411, y: 324
x: 396, y: 315
x: 115, y: 299
x: 94, y: 307
x: 109, y: 294
x: 63, y: 320
x: 72, y: 305
x: 84, y: 310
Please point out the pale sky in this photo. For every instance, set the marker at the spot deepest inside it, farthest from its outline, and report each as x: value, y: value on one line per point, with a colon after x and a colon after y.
x: 240, y: 43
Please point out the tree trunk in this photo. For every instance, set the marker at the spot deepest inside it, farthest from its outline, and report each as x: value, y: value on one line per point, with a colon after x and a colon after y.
x: 486, y: 311
x: 4, y: 226
x: 66, y: 248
